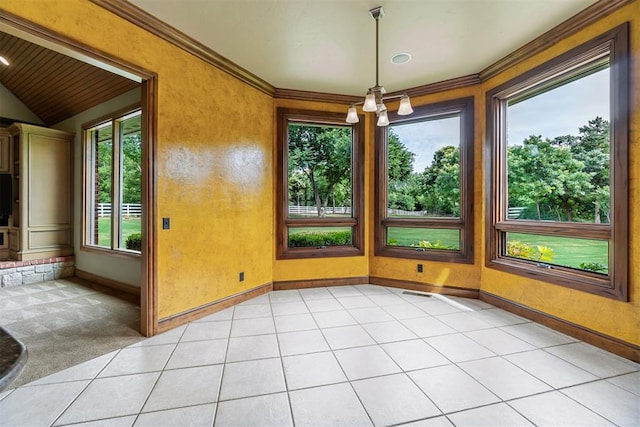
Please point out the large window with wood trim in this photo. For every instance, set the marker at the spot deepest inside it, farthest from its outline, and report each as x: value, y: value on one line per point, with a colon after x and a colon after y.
x: 424, y: 194
x: 558, y: 137
x: 112, y: 182
x: 320, y: 180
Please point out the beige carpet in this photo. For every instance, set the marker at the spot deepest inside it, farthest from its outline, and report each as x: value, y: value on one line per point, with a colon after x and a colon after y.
x: 66, y: 322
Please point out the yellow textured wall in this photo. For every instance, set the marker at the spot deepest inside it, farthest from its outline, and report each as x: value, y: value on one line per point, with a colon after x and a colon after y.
x: 214, y: 158
x: 326, y: 268
x: 440, y: 273
x: 613, y: 318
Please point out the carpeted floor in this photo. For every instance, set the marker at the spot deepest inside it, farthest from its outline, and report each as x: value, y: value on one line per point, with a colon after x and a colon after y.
x: 66, y: 322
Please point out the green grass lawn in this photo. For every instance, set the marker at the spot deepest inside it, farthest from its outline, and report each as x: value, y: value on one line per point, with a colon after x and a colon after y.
x: 129, y: 227
x: 411, y: 236
x: 568, y: 252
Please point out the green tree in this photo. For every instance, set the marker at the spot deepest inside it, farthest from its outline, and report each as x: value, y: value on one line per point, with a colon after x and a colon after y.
x: 132, y: 168
x: 401, y: 179
x: 323, y: 155
x: 440, y: 182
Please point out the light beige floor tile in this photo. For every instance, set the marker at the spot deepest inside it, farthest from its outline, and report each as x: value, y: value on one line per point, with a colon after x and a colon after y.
x: 394, y: 399
x: 84, y: 371
x: 256, y: 326
x: 370, y: 315
x: 126, y: 394
x: 384, y: 332
x: 490, y: 416
x: 170, y: 337
x: 366, y: 362
x: 252, y: 311
x: 414, y: 354
x: 110, y: 422
x: 452, y: 389
x: 629, y: 382
x: 252, y: 378
x: 404, y: 311
x: 207, y: 331
x: 197, y: 353
x: 427, y: 326
x: 253, y: 347
x: 315, y: 293
x: 550, y: 369
x: 326, y: 304
x: 200, y: 415
x: 331, y: 319
x: 185, y: 387
x: 459, y: 348
x: 136, y: 360
x: 345, y: 291
x: 356, y: 302
x: 311, y: 370
x: 347, y: 336
x: 302, y: 342
x: 556, y: 409
x: 265, y: 411
x: 503, y: 378
x: 288, y: 308
x: 610, y: 401
x: 295, y: 322
x: 593, y: 360
x: 464, y: 321
x: 38, y: 405
x: 226, y: 314
x: 309, y: 407
x: 498, y: 341
x: 537, y: 335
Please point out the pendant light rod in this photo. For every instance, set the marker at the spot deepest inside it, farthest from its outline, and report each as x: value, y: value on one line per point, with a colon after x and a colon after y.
x: 377, y: 13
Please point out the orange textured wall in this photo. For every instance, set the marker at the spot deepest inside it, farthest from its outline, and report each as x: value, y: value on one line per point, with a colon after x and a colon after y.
x: 214, y: 158
x: 439, y: 273
x: 604, y: 315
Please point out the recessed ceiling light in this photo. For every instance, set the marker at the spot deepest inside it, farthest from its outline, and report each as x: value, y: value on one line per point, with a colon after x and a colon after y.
x: 4, y: 60
x: 401, y: 58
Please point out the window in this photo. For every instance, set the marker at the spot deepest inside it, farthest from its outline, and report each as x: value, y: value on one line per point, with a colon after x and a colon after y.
x: 558, y: 199
x: 425, y: 183
x: 113, y: 174
x: 320, y: 179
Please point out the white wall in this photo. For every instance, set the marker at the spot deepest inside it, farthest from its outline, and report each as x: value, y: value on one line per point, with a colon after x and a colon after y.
x: 124, y: 270
x: 12, y: 108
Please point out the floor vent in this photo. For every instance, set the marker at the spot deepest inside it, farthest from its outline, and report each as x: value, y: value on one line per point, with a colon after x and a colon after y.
x: 417, y: 294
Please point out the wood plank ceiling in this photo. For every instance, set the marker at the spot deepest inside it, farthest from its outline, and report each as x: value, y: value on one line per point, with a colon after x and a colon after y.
x: 54, y: 86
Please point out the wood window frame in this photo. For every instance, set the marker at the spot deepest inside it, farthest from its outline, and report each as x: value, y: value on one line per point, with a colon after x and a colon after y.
x: 356, y: 221
x: 614, y: 285
x: 465, y: 108
x: 89, y: 186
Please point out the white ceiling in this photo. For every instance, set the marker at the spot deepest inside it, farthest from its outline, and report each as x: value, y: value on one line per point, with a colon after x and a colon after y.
x: 329, y: 45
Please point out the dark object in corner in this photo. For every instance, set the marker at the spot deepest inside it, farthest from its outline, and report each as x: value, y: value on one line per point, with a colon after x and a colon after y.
x: 5, y: 194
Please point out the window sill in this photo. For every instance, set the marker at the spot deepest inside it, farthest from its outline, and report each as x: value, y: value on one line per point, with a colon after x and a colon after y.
x: 592, y: 283
x: 116, y: 253
x: 328, y: 252
x: 425, y: 254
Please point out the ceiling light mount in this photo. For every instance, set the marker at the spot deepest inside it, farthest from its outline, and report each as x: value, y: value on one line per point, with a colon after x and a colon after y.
x: 374, y: 101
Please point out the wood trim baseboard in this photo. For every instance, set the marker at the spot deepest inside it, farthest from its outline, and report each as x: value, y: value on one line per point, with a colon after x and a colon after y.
x: 204, y: 310
x: 319, y: 283
x: 611, y: 344
x: 424, y: 287
x: 107, y: 283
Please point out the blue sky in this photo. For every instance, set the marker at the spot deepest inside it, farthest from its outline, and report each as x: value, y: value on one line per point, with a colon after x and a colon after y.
x: 558, y: 112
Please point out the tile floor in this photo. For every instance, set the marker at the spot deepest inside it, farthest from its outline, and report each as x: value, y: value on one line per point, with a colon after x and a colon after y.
x: 352, y: 356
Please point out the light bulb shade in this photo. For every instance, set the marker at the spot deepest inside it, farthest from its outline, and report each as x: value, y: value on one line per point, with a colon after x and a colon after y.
x: 352, y: 115
x: 405, y: 106
x: 383, y: 119
x: 370, y: 103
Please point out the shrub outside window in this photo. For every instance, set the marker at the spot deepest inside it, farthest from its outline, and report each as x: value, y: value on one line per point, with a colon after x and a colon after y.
x: 558, y: 140
x: 112, y: 186
x: 320, y: 179
x: 425, y: 183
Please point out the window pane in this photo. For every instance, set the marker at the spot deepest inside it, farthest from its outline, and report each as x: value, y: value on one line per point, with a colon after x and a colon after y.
x: 582, y: 254
x: 424, y: 168
x: 102, y: 172
x: 426, y: 238
x: 320, y: 236
x: 558, y: 152
x: 131, y: 210
x: 319, y: 171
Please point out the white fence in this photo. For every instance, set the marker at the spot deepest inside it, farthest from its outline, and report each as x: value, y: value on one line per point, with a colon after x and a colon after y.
x: 128, y: 209
x: 400, y: 212
x: 313, y: 211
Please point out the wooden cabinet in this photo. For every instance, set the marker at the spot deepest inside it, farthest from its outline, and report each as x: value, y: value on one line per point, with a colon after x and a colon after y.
x: 42, y: 192
x: 5, y: 160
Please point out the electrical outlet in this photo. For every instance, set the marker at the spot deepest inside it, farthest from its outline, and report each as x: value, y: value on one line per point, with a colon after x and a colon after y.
x: 420, y: 268
x: 241, y: 276
x: 166, y: 224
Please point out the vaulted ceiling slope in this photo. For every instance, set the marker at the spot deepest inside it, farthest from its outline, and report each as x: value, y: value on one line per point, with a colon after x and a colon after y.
x: 54, y: 86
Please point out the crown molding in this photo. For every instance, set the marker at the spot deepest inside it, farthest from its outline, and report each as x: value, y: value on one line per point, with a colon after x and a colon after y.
x: 569, y: 27
x: 150, y: 23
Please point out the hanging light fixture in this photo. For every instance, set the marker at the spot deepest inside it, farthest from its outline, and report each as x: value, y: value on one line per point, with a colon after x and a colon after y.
x: 374, y: 100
